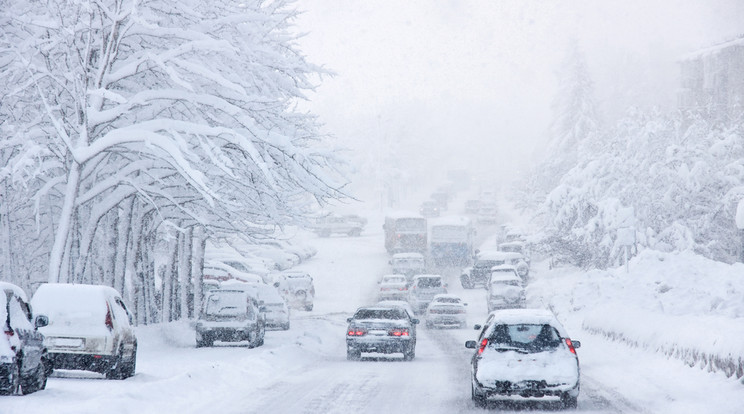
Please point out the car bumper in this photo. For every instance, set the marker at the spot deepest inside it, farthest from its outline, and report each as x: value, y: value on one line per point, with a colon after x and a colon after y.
x: 526, y: 389
x: 225, y: 334
x: 392, y: 296
x: 445, y: 320
x: 383, y: 345
x: 84, y: 362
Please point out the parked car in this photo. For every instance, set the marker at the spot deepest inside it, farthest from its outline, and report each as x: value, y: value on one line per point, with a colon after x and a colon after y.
x: 423, y: 289
x: 524, y: 353
x: 297, y: 288
x: 408, y: 264
x: 446, y: 311
x: 350, y: 225
x: 274, y: 305
x: 24, y: 363
x: 381, y: 329
x: 230, y: 315
x: 393, y: 287
x: 90, y: 328
x: 505, y: 289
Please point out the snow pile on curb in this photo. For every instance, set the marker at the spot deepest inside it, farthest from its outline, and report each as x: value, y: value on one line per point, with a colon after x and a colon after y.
x: 678, y: 304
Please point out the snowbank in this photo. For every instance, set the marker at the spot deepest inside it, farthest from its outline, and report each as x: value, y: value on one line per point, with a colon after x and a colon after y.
x: 678, y: 304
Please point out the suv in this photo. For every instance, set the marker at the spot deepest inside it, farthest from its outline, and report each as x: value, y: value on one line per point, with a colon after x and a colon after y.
x: 277, y: 312
x: 23, y: 357
x: 423, y: 289
x: 297, y: 288
x: 230, y: 315
x: 89, y: 329
x: 381, y: 329
x: 525, y: 353
x: 505, y: 289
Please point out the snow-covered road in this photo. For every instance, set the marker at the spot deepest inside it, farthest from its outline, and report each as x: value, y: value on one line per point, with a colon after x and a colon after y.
x: 304, y: 370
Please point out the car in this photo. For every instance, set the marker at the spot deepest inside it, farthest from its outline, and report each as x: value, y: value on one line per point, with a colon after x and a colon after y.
x: 408, y: 264
x: 24, y: 363
x: 505, y: 289
x: 89, y: 328
x: 350, y: 225
x: 479, y: 273
x: 446, y: 311
x: 297, y: 288
x: 230, y: 315
x: 381, y: 329
x: 429, y: 209
x: 525, y: 354
x: 276, y: 311
x: 472, y: 206
x: 393, y: 287
x: 487, y: 213
x: 423, y: 289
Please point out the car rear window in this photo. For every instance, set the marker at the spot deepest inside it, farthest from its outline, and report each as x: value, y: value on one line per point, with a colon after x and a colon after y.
x: 379, y: 314
x: 528, y: 337
x: 429, y: 282
x: 226, y: 304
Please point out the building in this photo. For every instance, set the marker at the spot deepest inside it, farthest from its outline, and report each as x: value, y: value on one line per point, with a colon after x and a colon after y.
x: 713, y: 79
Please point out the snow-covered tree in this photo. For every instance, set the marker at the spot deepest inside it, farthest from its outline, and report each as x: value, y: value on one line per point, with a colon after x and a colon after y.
x: 139, y: 114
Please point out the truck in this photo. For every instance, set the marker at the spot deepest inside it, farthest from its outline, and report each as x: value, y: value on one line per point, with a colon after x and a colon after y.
x: 405, y: 232
x: 451, y: 241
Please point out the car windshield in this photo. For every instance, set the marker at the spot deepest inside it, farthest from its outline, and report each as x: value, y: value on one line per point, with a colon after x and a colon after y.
x: 408, y: 262
x: 379, y: 314
x: 448, y: 300
x: 486, y: 263
x: 510, y: 282
x: 429, y: 282
x: 226, y: 303
x: 394, y: 280
x: 525, y: 337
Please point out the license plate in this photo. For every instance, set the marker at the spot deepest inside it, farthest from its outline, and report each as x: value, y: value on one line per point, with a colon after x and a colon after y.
x: 69, y: 342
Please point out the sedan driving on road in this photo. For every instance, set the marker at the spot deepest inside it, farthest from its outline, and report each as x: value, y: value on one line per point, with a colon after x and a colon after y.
x: 446, y: 311
x: 524, y: 354
x: 381, y: 329
x: 393, y: 287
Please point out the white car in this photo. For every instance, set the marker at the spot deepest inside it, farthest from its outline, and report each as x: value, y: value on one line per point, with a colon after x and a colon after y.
x: 297, y: 288
x: 423, y: 289
x: 446, y: 311
x: 89, y: 329
x: 274, y: 305
x: 393, y: 287
x: 525, y: 354
x: 505, y: 289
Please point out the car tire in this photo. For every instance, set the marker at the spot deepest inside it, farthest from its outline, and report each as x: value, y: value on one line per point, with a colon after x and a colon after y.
x: 478, y: 399
x: 410, y: 354
x: 114, y: 372
x: 568, y: 402
x: 309, y: 308
x: 14, y: 381
x: 465, y: 282
x: 35, y: 382
x: 204, y: 343
x: 353, y: 354
x: 129, y: 366
x: 285, y: 327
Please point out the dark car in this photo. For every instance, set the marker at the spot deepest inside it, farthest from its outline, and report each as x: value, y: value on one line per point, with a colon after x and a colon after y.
x: 24, y: 362
x: 381, y: 329
x: 524, y: 354
x: 230, y: 315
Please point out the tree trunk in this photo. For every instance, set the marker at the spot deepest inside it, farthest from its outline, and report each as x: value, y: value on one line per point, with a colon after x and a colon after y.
x: 64, y: 226
x: 169, y: 277
x: 197, y: 268
x: 184, y: 273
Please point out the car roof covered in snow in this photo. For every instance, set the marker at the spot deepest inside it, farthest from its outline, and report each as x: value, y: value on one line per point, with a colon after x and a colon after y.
x: 408, y: 256
x: 425, y: 276
x: 5, y: 286
x: 404, y: 214
x: 505, y: 276
x: 450, y: 221
x: 527, y: 316
x: 498, y: 255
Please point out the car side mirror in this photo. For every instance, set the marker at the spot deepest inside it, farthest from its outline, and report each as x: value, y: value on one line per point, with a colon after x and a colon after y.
x: 262, y: 309
x: 576, y: 344
x: 476, y: 327
x: 348, y: 319
x: 470, y: 344
x: 276, y: 284
x: 415, y: 321
x: 41, y: 321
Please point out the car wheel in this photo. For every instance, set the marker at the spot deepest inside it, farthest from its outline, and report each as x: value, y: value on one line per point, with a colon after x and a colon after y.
x: 35, y: 382
x: 478, y: 399
x: 568, y: 402
x: 285, y: 326
x: 353, y: 354
x: 410, y: 354
x: 128, y: 367
x: 309, y: 308
x: 114, y: 372
x: 465, y: 282
x: 205, y: 342
x: 14, y: 381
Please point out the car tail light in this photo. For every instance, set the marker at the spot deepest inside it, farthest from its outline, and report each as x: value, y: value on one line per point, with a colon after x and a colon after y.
x: 570, y: 346
x: 109, y: 321
x: 461, y: 311
x: 398, y: 332
x: 483, y: 344
x: 356, y: 332
x: 9, y: 331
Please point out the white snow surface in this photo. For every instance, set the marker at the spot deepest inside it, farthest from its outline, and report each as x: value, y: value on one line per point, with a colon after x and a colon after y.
x: 666, y: 299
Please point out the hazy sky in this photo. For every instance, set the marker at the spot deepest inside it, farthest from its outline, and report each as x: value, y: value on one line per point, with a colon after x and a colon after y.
x: 441, y: 84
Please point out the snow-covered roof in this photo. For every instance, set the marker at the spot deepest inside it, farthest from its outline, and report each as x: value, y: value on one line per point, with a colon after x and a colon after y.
x: 498, y: 255
x: 527, y: 316
x: 403, y: 214
x: 408, y: 256
x: 5, y: 286
x: 421, y: 276
x: 713, y: 49
x: 450, y: 221
x: 505, y: 276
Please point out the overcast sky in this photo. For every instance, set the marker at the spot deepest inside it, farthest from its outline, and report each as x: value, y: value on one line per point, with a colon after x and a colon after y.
x: 452, y: 83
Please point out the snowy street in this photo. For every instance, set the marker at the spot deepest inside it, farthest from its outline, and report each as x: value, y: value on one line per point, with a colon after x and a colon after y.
x: 304, y: 370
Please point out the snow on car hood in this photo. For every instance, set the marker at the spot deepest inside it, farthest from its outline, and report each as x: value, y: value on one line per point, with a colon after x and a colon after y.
x: 558, y: 366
